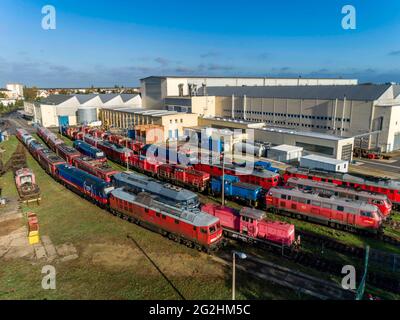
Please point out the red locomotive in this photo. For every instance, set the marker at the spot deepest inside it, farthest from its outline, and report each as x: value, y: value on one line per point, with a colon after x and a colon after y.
x: 388, y: 187
x: 250, y: 223
x: 186, y: 176
x: 335, y: 212
x: 67, y: 153
x: 49, y: 160
x: 91, y: 140
x: 194, y: 229
x: 115, y: 153
x: 327, y: 188
x: 264, y: 178
x: 95, y: 167
x: 49, y: 138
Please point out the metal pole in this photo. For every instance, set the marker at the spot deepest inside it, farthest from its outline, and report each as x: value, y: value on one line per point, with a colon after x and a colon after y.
x: 223, y: 180
x: 233, y: 276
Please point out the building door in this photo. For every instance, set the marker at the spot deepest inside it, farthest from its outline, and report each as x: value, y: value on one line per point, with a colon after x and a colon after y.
x: 396, y: 141
x: 63, y: 121
x: 176, y: 133
x: 170, y: 134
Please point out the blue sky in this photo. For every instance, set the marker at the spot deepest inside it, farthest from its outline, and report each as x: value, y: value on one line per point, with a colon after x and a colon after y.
x: 104, y: 43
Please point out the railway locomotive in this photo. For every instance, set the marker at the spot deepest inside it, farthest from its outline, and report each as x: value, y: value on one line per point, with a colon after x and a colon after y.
x: 379, y: 200
x: 250, y: 224
x: 195, y: 229
x: 88, y: 150
x: 335, y: 212
x: 68, y: 153
x: 237, y: 190
x: 388, y: 187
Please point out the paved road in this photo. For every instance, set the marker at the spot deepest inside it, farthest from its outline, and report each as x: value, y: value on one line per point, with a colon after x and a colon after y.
x: 390, y: 167
x: 17, y: 121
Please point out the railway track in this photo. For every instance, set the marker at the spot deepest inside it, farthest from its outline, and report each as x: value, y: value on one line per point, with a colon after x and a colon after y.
x: 298, y: 281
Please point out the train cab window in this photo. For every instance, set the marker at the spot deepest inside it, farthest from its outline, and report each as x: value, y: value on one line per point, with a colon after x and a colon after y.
x: 340, y: 208
x: 194, y: 228
x: 316, y: 203
x: 163, y: 217
x: 366, y: 214
x: 289, y: 197
x: 308, y: 201
x: 176, y: 221
x: 146, y: 210
x: 283, y: 196
x: 212, y: 229
x: 202, y: 230
x: 157, y: 214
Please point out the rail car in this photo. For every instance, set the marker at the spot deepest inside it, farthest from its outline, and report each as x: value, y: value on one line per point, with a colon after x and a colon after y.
x: 250, y: 225
x: 261, y: 177
x: 185, y: 176
x: 388, y: 187
x: 335, y: 212
x: 89, y: 150
x: 93, y: 141
x: 172, y: 195
x: 237, y: 190
x: 83, y: 183
x: 115, y: 153
x: 97, y: 168
x: 49, y: 160
x: 67, y: 153
x: 34, y: 146
x: 194, y: 229
x: 331, y: 189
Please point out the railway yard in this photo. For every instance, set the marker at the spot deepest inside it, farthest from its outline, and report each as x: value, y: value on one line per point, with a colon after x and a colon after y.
x: 98, y: 255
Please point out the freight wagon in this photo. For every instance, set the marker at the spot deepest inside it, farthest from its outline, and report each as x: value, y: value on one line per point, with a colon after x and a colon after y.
x: 331, y: 189
x: 237, y: 190
x: 67, y: 153
x: 89, y: 150
x: 49, y: 160
x: 175, y: 196
x: 97, y: 168
x: 83, y: 183
x: 335, y: 212
x: 250, y: 225
x: 194, y: 229
x: 388, y: 187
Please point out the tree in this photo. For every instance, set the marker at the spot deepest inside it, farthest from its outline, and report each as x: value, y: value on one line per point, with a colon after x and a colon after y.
x: 2, y: 95
x: 30, y: 94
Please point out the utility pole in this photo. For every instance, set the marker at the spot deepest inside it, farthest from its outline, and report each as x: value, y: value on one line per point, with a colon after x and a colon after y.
x: 361, y: 288
x: 223, y: 180
x: 242, y: 256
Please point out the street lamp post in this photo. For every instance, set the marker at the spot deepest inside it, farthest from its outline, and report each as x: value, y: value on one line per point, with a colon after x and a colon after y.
x: 223, y: 179
x: 241, y: 255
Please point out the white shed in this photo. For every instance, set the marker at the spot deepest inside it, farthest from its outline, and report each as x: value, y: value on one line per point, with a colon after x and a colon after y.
x: 313, y: 161
x: 285, y: 153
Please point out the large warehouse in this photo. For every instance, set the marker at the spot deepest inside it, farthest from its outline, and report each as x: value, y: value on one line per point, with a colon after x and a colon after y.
x: 60, y: 109
x: 370, y: 112
x: 156, y: 89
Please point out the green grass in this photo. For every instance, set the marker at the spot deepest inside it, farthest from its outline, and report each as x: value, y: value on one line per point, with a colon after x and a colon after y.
x: 109, y: 265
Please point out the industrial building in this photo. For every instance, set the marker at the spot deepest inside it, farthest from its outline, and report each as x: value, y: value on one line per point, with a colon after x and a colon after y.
x: 368, y: 112
x: 311, y: 142
x: 157, y: 90
x: 171, y: 122
x: 59, y: 109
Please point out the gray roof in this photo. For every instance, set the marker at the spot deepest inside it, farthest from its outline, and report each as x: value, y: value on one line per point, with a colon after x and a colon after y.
x: 107, y: 96
x: 351, y: 92
x: 396, y: 90
x: 239, y: 77
x: 85, y: 97
x: 127, y: 96
x: 55, y: 99
x: 153, y: 186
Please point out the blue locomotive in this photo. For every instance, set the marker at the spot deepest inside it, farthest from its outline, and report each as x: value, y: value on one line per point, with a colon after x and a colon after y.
x: 235, y: 189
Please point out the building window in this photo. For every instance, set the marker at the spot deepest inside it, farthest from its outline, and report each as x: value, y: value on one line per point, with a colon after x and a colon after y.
x: 315, y: 148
